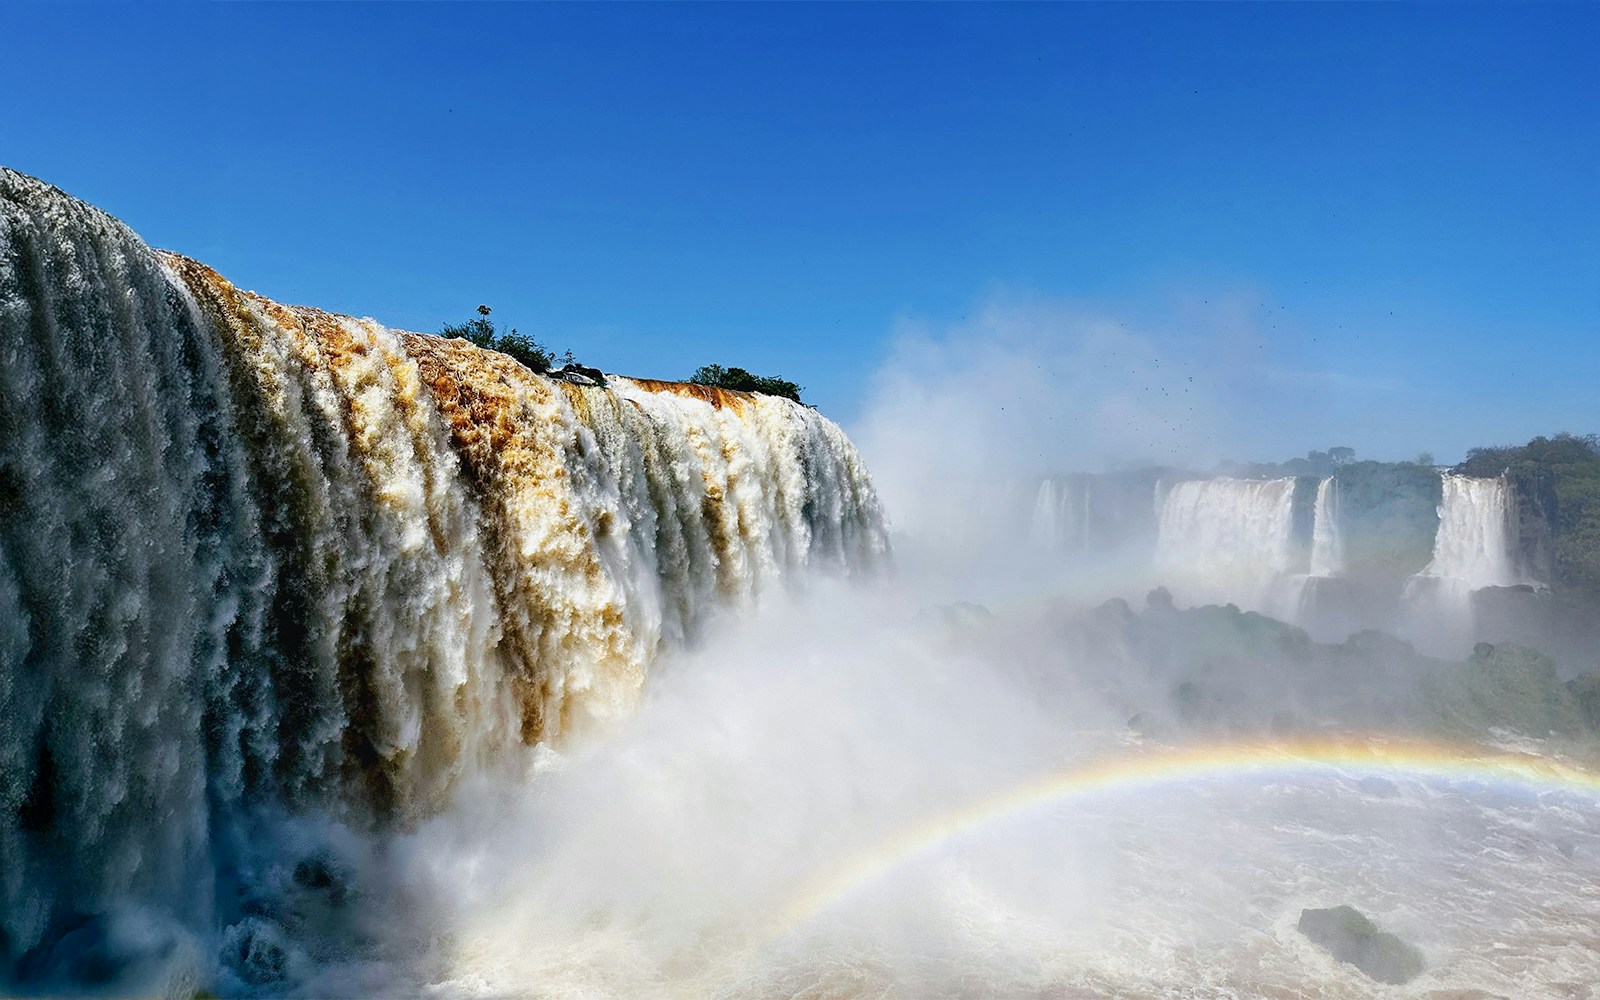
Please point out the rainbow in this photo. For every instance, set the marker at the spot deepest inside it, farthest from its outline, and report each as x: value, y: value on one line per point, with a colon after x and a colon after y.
x: 1297, y: 759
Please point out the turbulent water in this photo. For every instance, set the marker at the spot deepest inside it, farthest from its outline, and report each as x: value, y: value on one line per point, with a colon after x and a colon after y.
x: 260, y: 562
x: 1195, y: 893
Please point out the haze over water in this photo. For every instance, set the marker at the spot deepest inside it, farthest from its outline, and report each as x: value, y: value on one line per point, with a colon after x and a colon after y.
x: 1145, y: 567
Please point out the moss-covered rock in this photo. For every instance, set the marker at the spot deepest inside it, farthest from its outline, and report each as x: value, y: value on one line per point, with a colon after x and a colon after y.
x: 1585, y: 692
x: 1388, y: 514
x: 1502, y: 687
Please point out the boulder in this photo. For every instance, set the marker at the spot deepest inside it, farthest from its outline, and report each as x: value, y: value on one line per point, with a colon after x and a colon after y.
x: 124, y: 953
x: 1347, y: 935
x: 1145, y: 725
x: 321, y: 873
x: 257, y: 951
x: 960, y: 614
x: 579, y: 374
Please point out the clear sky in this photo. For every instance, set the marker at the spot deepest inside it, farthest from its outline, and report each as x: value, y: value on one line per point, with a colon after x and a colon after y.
x: 1389, y: 215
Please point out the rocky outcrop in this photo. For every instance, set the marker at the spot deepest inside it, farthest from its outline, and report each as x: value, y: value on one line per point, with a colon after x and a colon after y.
x: 1344, y: 933
x: 578, y: 374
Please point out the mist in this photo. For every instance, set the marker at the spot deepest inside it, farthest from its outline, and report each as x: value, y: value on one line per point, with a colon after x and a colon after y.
x: 680, y: 853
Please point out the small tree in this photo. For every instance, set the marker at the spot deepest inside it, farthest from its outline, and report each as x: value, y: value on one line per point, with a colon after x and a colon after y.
x: 519, y: 346
x: 1340, y: 455
x: 1424, y: 458
x: 478, y: 331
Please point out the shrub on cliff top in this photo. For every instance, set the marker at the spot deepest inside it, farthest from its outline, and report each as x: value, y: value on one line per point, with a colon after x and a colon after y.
x: 742, y: 381
x: 519, y: 346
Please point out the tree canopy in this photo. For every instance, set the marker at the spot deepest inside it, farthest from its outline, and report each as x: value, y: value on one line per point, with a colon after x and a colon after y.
x: 523, y: 348
x: 743, y: 381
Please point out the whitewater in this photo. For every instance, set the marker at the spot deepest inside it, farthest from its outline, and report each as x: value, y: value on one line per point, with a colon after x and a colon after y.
x: 337, y: 660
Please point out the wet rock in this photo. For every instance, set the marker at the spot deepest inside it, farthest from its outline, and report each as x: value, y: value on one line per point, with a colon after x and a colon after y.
x: 1382, y: 788
x: 960, y: 614
x: 1145, y: 725
x: 1347, y: 935
x: 579, y: 374
x: 1585, y: 691
x: 124, y: 953
x: 1115, y: 611
x: 256, y: 951
x: 321, y: 873
x: 1503, y: 687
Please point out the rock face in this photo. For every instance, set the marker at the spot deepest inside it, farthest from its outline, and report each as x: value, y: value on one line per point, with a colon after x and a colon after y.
x: 579, y: 375
x: 1349, y: 936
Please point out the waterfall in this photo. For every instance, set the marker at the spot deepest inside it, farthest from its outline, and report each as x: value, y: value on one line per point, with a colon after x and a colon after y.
x: 1318, y: 600
x: 1047, y: 523
x: 1472, y: 549
x: 1061, y: 513
x: 260, y: 561
x: 1474, y: 542
x: 1226, y: 540
x: 1327, y: 546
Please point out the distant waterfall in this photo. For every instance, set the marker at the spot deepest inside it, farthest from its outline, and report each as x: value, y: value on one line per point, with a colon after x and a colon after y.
x: 1226, y: 540
x: 1327, y: 545
x: 1473, y: 549
x: 1474, y: 543
x: 1318, y: 600
x: 1061, y: 515
x: 260, y: 561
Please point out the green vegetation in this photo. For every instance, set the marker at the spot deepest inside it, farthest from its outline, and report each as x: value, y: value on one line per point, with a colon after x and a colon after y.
x: 1389, y: 514
x: 1316, y: 463
x: 1238, y: 670
x: 1504, y: 687
x: 1557, y: 483
x: 519, y: 346
x: 742, y: 381
x: 1388, y: 510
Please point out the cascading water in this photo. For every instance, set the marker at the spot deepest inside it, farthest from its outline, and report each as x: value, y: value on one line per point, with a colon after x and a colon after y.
x: 260, y: 562
x: 1327, y: 544
x: 1226, y: 540
x: 1061, y: 517
x: 1472, y: 549
x: 1315, y: 603
x: 1474, y: 543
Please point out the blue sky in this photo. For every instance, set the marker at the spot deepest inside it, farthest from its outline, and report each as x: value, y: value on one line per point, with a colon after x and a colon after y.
x: 1377, y: 225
